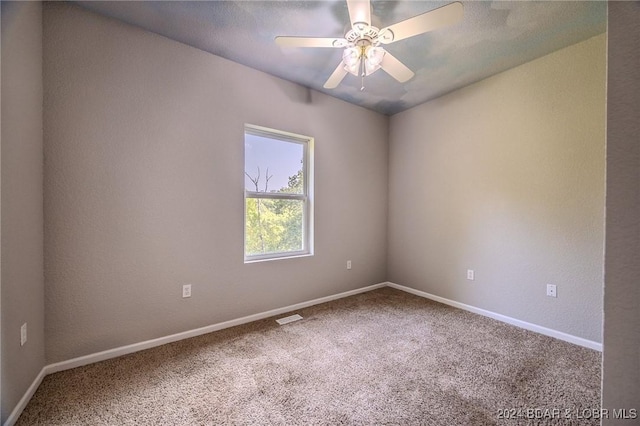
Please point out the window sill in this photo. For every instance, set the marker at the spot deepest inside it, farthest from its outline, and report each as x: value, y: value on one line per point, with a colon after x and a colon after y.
x: 283, y: 257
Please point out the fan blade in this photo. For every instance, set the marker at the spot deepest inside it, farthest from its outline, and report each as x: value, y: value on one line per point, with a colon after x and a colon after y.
x: 395, y: 68
x: 311, y: 42
x: 359, y: 13
x: 336, y: 77
x: 428, y: 21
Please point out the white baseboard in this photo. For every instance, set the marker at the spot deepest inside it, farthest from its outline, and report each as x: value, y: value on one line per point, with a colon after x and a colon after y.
x: 135, y: 347
x: 128, y: 349
x: 518, y: 323
x: 13, y: 417
x: 124, y: 350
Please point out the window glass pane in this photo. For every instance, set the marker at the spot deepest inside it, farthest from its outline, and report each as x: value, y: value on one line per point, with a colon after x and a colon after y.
x: 273, y: 165
x: 273, y: 226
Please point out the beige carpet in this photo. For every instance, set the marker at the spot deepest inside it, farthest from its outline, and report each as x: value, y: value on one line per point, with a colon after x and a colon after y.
x: 382, y: 357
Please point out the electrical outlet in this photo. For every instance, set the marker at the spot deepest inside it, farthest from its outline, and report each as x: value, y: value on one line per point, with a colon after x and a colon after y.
x: 348, y: 264
x: 23, y: 334
x: 186, y: 290
x: 551, y: 290
x: 471, y: 275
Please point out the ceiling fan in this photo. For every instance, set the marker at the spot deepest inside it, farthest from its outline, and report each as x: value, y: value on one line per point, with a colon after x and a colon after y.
x: 363, y: 53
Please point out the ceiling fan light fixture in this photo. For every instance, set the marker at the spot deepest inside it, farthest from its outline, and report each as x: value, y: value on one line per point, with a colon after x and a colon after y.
x: 373, y: 61
x: 351, y: 58
x: 374, y: 54
x: 363, y: 54
x: 353, y: 69
x: 370, y: 68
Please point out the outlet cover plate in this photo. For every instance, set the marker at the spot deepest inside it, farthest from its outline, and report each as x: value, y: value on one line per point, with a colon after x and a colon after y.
x: 552, y: 290
x: 23, y: 334
x: 186, y: 290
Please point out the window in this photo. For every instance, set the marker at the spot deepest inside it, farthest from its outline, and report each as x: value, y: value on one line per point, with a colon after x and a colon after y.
x: 277, y: 188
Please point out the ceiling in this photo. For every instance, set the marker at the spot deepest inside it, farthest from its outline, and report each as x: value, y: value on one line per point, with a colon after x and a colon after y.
x: 491, y: 37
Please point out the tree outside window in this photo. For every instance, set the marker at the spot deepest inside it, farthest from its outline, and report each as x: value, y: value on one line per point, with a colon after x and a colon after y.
x: 277, y: 188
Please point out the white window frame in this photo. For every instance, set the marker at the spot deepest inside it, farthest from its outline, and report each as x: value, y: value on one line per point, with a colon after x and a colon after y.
x: 306, y: 197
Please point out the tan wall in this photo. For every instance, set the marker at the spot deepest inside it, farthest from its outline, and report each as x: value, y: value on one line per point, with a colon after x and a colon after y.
x: 22, y: 232
x: 621, y: 355
x: 144, y: 187
x: 506, y: 177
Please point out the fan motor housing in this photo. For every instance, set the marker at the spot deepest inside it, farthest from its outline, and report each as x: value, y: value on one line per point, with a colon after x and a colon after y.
x: 364, y: 35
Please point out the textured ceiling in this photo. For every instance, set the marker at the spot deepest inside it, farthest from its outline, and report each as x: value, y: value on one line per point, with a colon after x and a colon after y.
x: 492, y: 37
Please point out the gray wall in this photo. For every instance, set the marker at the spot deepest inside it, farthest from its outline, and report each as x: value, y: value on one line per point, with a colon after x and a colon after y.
x: 144, y: 148
x: 144, y: 187
x: 22, y: 234
x: 506, y: 177
x: 621, y: 354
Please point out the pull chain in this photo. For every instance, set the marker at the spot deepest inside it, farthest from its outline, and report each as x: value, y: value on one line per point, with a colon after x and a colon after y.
x: 362, y: 75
